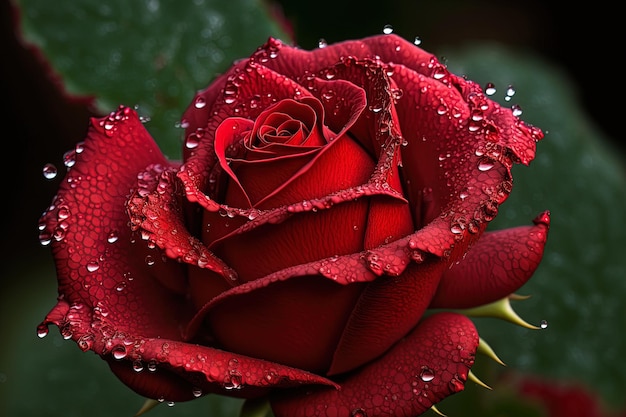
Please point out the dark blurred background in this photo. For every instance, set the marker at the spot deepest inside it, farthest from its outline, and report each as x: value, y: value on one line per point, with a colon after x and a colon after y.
x: 39, y: 124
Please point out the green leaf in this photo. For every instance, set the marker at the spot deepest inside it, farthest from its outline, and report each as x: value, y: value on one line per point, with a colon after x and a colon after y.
x: 579, y: 287
x: 152, y: 54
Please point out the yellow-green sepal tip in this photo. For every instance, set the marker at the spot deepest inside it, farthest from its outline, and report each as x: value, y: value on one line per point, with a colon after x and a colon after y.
x: 472, y: 377
x: 486, y: 350
x: 500, y: 309
x: 436, y: 410
x: 148, y: 405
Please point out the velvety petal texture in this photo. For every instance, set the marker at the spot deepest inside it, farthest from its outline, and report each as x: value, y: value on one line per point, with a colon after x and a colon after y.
x: 326, y: 201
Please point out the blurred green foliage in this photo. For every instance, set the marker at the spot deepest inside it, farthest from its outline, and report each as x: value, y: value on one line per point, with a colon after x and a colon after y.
x: 151, y: 54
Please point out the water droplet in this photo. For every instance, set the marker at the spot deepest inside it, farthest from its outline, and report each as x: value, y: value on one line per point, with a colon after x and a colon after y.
x: 510, y: 92
x: 322, y: 43
x: 69, y: 158
x: 63, y: 213
x: 490, y: 89
x: 456, y: 384
x: 485, y: 165
x: 427, y: 374
x: 192, y: 141
x: 543, y: 324
x: 233, y: 381
x: 119, y: 352
x: 152, y: 366
x: 358, y: 412
x: 171, y: 403
x: 137, y: 365
x: 387, y: 29
x: 199, y: 103
x: 85, y: 342
x: 112, y: 237
x: 517, y: 110
x: 417, y: 41
x: 42, y: 330
x: 149, y: 260
x: 50, y: 171
x: 93, y: 266
x: 197, y: 392
x: 456, y: 229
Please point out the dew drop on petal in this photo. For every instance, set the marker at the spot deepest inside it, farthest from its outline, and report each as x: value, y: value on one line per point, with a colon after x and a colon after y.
x: 387, y: 29
x: 192, y: 141
x: 358, y: 412
x: 322, y: 43
x: 517, y: 110
x: 197, y: 392
x: 417, y: 40
x: 485, y: 165
x: 199, y: 103
x: 69, y: 158
x: 42, y: 330
x: 119, y: 352
x: 112, y: 237
x: 427, y: 374
x: 456, y: 385
x: 149, y: 260
x: 137, y: 366
x: 50, y: 171
x: 93, y: 266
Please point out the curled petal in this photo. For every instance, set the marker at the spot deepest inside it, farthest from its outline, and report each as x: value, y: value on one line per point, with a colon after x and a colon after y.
x: 176, y: 371
x: 109, y: 280
x: 431, y: 363
x: 496, y: 266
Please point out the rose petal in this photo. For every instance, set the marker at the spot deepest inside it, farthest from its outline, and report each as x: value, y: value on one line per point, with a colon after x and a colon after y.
x: 105, y: 285
x: 431, y: 363
x: 244, y: 91
x: 496, y: 266
x: 310, y: 312
x: 174, y: 371
x: 156, y: 209
x: 386, y: 310
x: 126, y: 325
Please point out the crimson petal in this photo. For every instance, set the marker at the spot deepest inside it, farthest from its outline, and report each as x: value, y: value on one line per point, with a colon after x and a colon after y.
x: 175, y: 371
x: 105, y: 284
x: 496, y: 266
x: 431, y: 363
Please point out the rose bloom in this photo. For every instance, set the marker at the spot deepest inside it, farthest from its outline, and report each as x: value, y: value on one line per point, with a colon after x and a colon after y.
x: 326, y: 202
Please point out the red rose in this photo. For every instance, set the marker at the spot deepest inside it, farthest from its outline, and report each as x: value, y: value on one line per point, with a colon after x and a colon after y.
x: 325, y: 201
